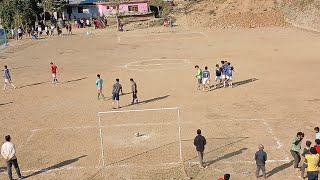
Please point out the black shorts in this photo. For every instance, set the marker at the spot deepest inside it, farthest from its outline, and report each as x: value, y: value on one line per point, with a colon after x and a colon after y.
x: 134, y: 95
x: 115, y: 96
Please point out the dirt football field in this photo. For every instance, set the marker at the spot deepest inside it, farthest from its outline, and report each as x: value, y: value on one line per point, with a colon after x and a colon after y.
x: 56, y: 127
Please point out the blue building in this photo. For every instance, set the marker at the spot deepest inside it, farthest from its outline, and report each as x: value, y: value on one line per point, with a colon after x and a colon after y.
x: 80, y: 9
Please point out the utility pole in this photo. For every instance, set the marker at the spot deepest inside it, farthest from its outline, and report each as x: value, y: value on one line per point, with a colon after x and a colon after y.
x: 44, y: 12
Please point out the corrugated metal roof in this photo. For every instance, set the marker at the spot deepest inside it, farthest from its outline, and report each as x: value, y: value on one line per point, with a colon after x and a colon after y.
x: 82, y: 1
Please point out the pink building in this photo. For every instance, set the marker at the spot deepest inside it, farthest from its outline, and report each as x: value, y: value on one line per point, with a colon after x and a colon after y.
x: 133, y: 7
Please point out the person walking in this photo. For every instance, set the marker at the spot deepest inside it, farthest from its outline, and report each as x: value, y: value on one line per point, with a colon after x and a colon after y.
x: 54, y: 69
x: 200, y: 141
x: 99, y: 83
x: 261, y: 158
x: 199, y: 76
x: 117, y: 88
x: 225, y: 177
x: 306, y: 151
x: 8, y: 152
x: 295, y: 149
x: 134, y: 91
x: 7, y: 78
x: 313, y: 164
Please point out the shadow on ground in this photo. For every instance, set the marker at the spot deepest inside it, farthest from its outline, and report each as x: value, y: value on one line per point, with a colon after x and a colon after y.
x: 226, y: 145
x: 149, y: 100
x: 34, y: 84
x: 279, y: 169
x: 235, y: 84
x: 74, y: 80
x: 226, y: 156
x: 3, y: 104
x: 56, y: 166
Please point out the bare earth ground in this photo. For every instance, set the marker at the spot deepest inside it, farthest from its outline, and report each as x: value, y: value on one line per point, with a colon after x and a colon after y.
x: 55, y: 127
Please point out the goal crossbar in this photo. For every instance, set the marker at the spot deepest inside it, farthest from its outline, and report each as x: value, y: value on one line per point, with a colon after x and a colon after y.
x: 138, y: 110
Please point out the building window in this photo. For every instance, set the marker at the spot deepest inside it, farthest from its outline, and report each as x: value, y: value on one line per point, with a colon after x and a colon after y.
x: 133, y: 8
x: 80, y: 9
x: 108, y: 7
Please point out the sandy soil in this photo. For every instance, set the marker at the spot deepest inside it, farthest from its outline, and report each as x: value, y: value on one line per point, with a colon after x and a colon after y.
x: 55, y: 127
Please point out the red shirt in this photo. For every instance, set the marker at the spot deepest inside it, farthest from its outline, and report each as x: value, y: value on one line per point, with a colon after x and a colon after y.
x: 54, y: 69
x: 317, y: 148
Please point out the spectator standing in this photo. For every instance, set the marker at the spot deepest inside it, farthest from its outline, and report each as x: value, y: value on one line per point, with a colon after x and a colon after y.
x: 295, y: 149
x: 200, y: 142
x: 316, y: 130
x: 261, y: 158
x: 306, y: 151
x: 313, y: 164
x: 317, y: 146
x: 8, y: 152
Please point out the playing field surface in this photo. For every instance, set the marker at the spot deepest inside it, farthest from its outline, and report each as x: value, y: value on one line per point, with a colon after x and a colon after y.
x: 56, y: 130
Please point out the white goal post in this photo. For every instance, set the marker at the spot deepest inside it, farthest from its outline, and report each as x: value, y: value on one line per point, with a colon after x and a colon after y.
x: 142, y: 110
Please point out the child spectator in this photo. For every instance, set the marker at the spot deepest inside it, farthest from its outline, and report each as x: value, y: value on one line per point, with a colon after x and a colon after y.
x: 306, y: 150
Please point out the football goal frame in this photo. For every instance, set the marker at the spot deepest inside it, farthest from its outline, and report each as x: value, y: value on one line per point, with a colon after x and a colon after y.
x: 132, y: 111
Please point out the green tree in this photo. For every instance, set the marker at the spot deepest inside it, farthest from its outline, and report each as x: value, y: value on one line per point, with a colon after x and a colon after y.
x: 14, y: 13
x: 164, y: 8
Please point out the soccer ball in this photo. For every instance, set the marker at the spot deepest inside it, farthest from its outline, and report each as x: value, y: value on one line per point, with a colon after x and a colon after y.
x: 137, y: 134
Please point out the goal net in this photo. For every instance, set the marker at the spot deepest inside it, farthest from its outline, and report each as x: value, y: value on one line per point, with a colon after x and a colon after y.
x: 139, y: 144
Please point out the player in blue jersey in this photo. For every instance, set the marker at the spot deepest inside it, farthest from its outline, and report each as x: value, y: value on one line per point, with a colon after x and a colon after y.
x: 7, y: 78
x: 206, y: 79
x: 229, y: 70
x: 224, y: 65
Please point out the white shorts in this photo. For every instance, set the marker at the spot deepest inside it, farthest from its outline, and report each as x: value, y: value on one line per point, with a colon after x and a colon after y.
x: 229, y: 77
x: 223, y: 76
x: 6, y: 80
x: 54, y: 75
x: 218, y: 78
x: 205, y: 80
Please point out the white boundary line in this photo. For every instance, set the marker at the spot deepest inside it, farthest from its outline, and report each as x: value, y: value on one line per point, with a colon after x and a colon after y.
x: 274, y: 137
x: 69, y: 167
x: 270, y: 130
x: 241, y: 161
x: 183, y: 63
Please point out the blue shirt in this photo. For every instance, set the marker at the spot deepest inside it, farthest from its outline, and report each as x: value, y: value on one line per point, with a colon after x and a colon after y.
x: 6, y: 74
x: 229, y: 70
x: 318, y: 135
x: 205, y: 74
x: 224, y: 67
x: 99, y: 83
